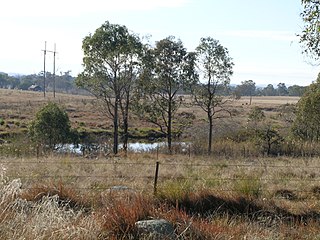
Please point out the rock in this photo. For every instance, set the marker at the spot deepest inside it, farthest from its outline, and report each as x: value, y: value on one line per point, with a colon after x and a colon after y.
x: 155, y: 229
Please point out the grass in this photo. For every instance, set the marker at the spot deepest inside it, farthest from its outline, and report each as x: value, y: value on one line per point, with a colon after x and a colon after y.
x: 19, y: 107
x: 69, y: 197
x: 235, y: 194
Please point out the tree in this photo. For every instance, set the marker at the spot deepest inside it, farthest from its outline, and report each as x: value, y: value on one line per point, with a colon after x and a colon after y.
x: 310, y: 36
x: 111, y: 64
x: 306, y: 126
x: 215, y: 68
x: 247, y: 88
x: 269, y: 90
x: 51, y: 127
x: 296, y: 90
x: 168, y: 70
x: 269, y: 138
x: 282, y: 89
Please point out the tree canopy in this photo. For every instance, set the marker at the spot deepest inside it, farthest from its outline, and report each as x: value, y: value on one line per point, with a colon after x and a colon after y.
x: 168, y: 69
x: 111, y: 57
x: 310, y: 35
x: 215, y: 68
x: 307, y: 123
x: 51, y: 127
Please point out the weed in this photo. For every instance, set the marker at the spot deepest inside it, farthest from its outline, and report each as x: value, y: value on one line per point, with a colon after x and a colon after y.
x: 248, y: 186
x: 174, y: 190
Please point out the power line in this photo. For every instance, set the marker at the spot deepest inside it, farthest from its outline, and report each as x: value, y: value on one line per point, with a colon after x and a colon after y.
x: 44, y: 69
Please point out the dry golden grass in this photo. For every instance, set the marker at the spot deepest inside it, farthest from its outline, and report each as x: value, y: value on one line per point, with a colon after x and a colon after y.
x: 289, y: 182
x: 18, y: 108
x: 196, y: 194
x: 228, y: 196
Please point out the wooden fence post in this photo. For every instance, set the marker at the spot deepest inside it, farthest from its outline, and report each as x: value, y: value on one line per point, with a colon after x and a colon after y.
x: 156, y: 179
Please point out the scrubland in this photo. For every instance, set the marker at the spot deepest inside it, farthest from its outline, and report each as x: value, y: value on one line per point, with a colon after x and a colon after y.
x: 236, y: 193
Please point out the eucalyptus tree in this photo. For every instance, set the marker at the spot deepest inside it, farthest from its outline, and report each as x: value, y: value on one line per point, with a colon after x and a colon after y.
x: 310, y: 35
x: 306, y: 126
x: 215, y: 68
x: 247, y: 88
x: 111, y: 65
x: 168, y: 69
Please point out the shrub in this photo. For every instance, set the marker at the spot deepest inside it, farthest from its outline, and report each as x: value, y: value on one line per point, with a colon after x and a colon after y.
x: 51, y: 127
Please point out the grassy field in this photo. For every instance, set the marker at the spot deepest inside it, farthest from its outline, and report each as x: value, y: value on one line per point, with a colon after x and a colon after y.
x: 18, y: 108
x: 226, y: 196
x: 204, y: 198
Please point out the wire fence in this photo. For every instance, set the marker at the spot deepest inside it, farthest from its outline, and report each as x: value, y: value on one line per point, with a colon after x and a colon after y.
x: 287, y: 181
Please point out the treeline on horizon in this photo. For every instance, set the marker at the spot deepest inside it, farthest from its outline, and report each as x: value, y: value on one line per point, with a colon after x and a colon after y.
x: 65, y: 83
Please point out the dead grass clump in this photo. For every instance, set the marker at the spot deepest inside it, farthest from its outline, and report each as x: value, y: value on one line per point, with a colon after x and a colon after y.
x: 65, y: 196
x: 191, y: 227
x: 119, y: 217
x: 46, y: 219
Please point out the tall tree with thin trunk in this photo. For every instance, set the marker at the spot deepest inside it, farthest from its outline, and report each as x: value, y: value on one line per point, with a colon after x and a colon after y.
x: 247, y: 88
x: 168, y: 69
x: 215, y: 68
x: 111, y: 63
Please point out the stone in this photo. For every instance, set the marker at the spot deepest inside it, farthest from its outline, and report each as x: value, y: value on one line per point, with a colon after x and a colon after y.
x: 155, y: 229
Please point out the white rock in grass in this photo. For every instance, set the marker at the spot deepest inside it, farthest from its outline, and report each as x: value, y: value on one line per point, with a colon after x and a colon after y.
x: 155, y: 229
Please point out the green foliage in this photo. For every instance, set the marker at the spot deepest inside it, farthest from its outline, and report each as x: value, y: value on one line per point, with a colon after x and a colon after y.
x: 168, y: 69
x: 256, y: 115
x: 269, y: 90
x: 282, y: 89
x: 215, y: 66
x: 309, y: 38
x: 175, y: 190
x: 51, y: 127
x: 2, y: 122
x: 111, y: 66
x: 296, y: 90
x: 248, y: 186
x: 307, y: 123
x: 269, y: 139
x: 247, y: 88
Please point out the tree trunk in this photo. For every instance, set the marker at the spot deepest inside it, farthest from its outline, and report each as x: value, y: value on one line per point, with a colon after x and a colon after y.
x: 169, y: 130
x: 125, y: 124
x: 210, y: 134
x: 115, y: 127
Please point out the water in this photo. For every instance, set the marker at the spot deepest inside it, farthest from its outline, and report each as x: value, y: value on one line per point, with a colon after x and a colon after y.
x: 133, y: 147
x: 144, y: 147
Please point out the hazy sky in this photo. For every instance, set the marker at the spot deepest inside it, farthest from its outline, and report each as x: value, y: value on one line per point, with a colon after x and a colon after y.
x: 260, y: 35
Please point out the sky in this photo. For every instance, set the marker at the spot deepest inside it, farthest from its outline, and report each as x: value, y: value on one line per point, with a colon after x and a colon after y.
x: 261, y: 36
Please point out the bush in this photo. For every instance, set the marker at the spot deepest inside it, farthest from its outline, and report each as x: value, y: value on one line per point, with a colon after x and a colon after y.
x: 51, y: 127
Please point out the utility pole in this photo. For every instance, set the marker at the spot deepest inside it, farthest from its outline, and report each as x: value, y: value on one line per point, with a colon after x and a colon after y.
x: 54, y: 71
x: 44, y: 68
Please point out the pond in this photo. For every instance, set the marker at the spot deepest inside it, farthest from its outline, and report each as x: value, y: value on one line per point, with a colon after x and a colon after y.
x: 132, y: 146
